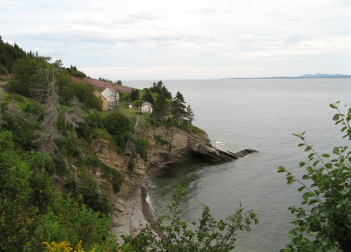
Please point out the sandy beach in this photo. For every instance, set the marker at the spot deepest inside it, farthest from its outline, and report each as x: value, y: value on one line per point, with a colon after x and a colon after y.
x: 131, y: 214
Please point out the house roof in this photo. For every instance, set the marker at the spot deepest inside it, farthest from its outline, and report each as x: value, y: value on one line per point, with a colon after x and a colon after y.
x: 146, y: 104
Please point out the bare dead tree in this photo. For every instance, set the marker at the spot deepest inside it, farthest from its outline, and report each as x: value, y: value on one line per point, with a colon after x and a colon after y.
x: 74, y: 114
x: 49, y: 133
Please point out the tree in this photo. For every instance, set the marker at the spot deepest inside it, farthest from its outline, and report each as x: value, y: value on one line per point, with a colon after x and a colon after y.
x: 148, y: 97
x: 134, y: 95
x: 323, y: 221
x: 74, y: 115
x: 178, y: 108
x: 173, y: 234
x: 189, y: 115
x: 26, y: 76
x: 160, y: 109
x: 49, y: 132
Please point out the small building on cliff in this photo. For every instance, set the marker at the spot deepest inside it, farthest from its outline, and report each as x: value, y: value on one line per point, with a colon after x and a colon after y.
x: 146, y: 107
x: 112, y: 97
x: 102, y: 98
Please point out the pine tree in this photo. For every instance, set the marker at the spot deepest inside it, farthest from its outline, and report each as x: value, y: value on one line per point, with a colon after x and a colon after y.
x: 189, y: 116
x: 178, y: 108
x: 160, y: 109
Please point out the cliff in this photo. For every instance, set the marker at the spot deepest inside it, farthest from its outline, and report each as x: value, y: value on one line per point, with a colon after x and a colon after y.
x: 166, y: 146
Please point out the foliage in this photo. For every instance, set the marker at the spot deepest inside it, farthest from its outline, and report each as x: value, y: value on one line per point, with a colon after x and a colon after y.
x: 134, y: 95
x: 109, y: 173
x: 32, y: 211
x: 27, y: 81
x: 159, y: 88
x: 323, y: 221
x: 161, y: 108
x: 119, y: 126
x: 9, y: 54
x: 22, y: 121
x: 73, y: 71
x: 173, y: 233
x: 189, y: 114
x: 131, y: 166
x: 178, y: 108
x: 91, y: 196
x: 63, y: 247
x: 160, y: 140
x: 141, y: 146
x: 148, y: 97
x: 26, y: 76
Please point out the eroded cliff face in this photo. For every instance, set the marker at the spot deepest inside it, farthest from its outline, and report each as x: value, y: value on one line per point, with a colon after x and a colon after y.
x: 166, y: 146
x: 107, y: 154
x: 169, y: 145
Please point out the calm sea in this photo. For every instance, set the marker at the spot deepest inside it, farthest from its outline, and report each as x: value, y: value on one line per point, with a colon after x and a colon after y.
x: 252, y: 113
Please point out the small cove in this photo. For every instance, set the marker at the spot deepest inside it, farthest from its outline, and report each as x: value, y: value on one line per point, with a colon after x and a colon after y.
x: 259, y: 114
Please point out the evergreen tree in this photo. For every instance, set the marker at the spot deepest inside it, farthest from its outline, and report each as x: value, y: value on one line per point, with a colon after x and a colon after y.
x: 178, y: 108
x: 160, y: 109
x: 148, y: 97
x: 189, y: 115
x: 9, y: 54
x: 134, y: 95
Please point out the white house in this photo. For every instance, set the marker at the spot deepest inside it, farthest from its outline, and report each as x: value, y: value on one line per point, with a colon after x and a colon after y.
x: 146, y: 107
x: 112, y: 97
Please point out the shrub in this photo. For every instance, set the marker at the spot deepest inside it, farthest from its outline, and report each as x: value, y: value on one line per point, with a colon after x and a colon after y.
x: 323, y: 221
x: 141, y: 146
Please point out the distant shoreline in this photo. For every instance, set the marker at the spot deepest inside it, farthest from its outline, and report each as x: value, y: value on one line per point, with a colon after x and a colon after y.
x: 264, y: 78
x: 305, y: 76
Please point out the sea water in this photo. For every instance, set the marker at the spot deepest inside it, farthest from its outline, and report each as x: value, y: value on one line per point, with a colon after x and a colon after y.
x: 251, y: 113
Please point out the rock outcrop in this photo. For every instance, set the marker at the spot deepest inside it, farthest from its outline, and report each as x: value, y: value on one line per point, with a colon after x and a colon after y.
x: 166, y: 146
x: 170, y: 145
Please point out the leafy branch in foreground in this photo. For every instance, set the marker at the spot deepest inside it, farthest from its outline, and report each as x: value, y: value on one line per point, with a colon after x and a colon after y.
x: 173, y: 234
x: 323, y: 221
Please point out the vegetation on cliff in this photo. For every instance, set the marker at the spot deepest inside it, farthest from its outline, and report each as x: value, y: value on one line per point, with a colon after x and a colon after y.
x: 53, y: 186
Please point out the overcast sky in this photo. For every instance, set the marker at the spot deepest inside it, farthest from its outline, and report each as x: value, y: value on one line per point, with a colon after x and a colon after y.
x: 184, y: 39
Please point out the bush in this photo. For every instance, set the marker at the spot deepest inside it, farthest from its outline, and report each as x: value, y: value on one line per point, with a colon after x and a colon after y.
x: 323, y: 221
x: 119, y: 126
x: 141, y: 146
x: 173, y: 233
x: 131, y: 166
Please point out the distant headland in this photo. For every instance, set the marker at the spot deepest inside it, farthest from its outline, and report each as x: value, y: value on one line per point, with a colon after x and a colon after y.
x: 305, y: 76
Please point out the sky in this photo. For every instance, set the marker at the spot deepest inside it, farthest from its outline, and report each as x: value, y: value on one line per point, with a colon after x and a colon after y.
x: 184, y: 39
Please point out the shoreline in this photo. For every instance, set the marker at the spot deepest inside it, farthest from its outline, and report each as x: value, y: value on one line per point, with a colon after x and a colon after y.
x: 132, y: 214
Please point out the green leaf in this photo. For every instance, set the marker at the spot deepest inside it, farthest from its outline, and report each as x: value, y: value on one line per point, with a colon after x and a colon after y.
x: 306, y: 195
x: 336, y: 117
x: 313, y: 201
x: 344, y: 191
x: 301, y: 144
x: 329, y: 166
x: 308, y: 148
x: 326, y: 155
x: 302, y: 164
x: 301, y: 188
x: 306, y: 177
x: 332, y: 106
x: 281, y: 169
x: 315, y: 163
